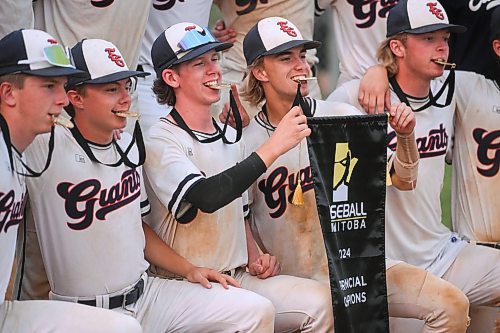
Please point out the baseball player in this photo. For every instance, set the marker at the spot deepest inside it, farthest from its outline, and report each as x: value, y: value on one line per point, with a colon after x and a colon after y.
x: 33, y: 71
x: 276, y: 61
x: 198, y: 206
x: 15, y: 15
x: 240, y: 16
x: 415, y: 53
x: 163, y: 15
x: 87, y: 208
x: 475, y: 178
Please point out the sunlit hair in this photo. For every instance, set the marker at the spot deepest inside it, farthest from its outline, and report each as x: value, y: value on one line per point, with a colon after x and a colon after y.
x: 252, y: 88
x: 385, y: 55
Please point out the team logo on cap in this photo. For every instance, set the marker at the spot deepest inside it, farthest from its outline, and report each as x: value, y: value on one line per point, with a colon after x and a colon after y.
x: 52, y: 41
x: 287, y: 29
x: 190, y: 27
x: 116, y: 58
x: 433, y: 9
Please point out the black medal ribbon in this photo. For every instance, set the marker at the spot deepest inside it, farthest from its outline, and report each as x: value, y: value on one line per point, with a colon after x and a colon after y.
x: 298, y: 101
x: 221, y: 133
x: 449, y: 82
x: 348, y: 157
x: 30, y: 172
x: 136, y: 139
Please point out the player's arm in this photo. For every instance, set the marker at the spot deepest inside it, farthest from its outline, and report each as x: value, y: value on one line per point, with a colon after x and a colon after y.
x: 404, y: 169
x: 160, y: 254
x: 206, y: 194
x: 374, y: 94
x: 261, y: 265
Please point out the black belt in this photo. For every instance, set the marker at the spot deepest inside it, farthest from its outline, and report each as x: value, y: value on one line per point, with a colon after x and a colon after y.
x: 489, y: 244
x: 122, y: 300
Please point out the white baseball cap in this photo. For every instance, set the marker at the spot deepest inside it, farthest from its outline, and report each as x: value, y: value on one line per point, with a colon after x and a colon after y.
x: 419, y: 17
x: 273, y: 35
x: 182, y: 42
x: 34, y: 52
x: 101, y: 61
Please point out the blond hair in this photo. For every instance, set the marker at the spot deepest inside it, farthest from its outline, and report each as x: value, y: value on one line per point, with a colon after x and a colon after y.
x: 252, y: 91
x: 386, y: 57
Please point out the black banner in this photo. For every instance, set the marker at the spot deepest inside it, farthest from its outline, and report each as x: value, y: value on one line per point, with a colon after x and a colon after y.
x: 348, y: 160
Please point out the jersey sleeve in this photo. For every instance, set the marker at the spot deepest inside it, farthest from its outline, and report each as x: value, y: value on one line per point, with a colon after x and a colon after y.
x: 346, y: 93
x: 170, y: 173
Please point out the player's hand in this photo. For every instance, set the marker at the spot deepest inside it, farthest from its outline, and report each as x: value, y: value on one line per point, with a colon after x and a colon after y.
x: 373, y: 92
x: 223, y: 34
x: 402, y: 119
x: 265, y: 266
x: 203, y: 275
x: 291, y: 130
x: 245, y: 119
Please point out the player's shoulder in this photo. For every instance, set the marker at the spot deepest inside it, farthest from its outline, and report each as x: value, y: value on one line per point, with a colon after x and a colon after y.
x: 346, y: 92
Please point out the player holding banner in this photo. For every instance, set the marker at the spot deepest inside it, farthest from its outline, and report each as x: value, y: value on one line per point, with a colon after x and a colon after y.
x: 276, y: 64
x: 415, y: 54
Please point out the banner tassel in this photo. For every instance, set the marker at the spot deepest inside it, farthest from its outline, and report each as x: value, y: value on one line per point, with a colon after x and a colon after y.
x: 298, y: 199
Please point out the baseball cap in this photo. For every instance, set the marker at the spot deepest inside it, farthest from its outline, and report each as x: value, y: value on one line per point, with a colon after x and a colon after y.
x: 182, y: 42
x: 419, y: 17
x: 101, y: 61
x: 495, y: 22
x: 34, y: 52
x: 273, y: 35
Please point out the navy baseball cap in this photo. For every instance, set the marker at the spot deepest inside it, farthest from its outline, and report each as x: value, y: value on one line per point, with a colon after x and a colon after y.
x: 101, y: 61
x: 419, y: 17
x: 34, y: 52
x: 495, y: 22
x: 273, y: 35
x: 182, y: 42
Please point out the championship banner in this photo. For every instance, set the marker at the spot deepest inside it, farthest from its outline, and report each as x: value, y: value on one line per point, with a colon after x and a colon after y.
x: 348, y: 161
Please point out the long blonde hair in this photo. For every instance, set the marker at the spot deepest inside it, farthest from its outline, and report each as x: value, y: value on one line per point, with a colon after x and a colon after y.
x: 386, y: 57
x: 252, y: 88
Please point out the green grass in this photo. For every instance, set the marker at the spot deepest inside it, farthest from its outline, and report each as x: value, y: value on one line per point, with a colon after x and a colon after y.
x: 446, y: 197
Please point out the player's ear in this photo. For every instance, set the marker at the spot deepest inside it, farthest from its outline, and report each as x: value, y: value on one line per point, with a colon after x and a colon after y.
x: 260, y: 73
x: 496, y: 47
x: 170, y: 77
x: 397, y: 47
x: 75, y: 99
x: 7, y: 94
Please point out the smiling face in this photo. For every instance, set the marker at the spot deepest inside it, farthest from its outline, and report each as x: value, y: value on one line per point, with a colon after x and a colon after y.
x: 195, y: 80
x: 419, y: 53
x: 279, y: 73
x: 96, y: 107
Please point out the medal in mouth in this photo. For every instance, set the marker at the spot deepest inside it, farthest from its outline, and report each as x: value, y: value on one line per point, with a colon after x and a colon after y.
x: 62, y: 121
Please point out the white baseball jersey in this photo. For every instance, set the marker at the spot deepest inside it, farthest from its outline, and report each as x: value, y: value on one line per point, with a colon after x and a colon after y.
x: 476, y: 158
x: 167, y: 13
x: 15, y: 14
x: 358, y: 27
x: 12, y: 200
x: 87, y: 216
x: 175, y: 162
x: 121, y: 22
x: 243, y: 15
x: 414, y: 232
x: 289, y: 232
